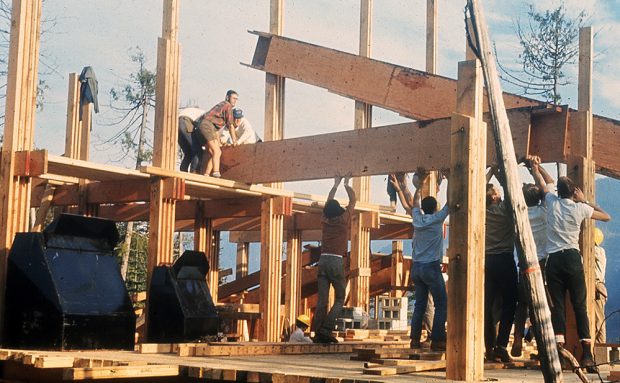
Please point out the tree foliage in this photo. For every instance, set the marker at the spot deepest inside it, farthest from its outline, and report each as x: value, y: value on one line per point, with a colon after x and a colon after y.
x: 549, y: 40
x: 132, y: 103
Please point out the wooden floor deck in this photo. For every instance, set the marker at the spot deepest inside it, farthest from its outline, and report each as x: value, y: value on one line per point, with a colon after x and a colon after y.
x: 126, y: 366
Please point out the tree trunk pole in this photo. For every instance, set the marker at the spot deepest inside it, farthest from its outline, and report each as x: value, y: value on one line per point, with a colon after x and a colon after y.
x: 526, y: 248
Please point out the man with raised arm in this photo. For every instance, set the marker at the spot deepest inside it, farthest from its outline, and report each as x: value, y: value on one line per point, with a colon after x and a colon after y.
x: 335, y: 225
x: 564, y: 268
x: 426, y: 266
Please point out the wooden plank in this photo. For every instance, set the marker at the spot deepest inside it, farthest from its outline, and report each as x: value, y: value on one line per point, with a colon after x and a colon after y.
x: 467, y: 206
x: 292, y: 279
x: 72, y: 134
x: 119, y: 372
x: 53, y: 361
x: 431, y: 36
x: 46, y: 201
x: 417, y: 367
x: 30, y: 163
x: 375, y: 82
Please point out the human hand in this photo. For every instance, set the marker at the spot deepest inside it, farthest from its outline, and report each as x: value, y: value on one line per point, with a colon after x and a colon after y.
x: 394, y: 182
x: 579, y: 196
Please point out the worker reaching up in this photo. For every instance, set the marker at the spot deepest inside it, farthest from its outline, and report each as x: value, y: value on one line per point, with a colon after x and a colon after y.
x: 564, y: 268
x: 218, y: 117
x: 243, y: 130
x: 335, y: 225
x: 427, y: 255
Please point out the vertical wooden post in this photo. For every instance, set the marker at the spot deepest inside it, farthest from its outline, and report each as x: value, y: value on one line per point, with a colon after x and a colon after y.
x: 73, y: 132
x: 360, y: 236
x: 207, y: 241
x: 273, y: 210
x: 162, y: 208
x: 396, y: 277
x: 581, y: 169
x: 22, y: 81
x: 292, y: 279
x: 242, y: 260
x: 274, y: 86
x: 465, y: 346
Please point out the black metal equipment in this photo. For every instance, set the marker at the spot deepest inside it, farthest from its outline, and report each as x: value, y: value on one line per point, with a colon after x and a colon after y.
x: 64, y: 288
x: 180, y: 306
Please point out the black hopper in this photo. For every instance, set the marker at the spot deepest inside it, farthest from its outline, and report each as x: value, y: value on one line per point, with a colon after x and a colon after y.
x: 64, y: 288
x: 180, y: 307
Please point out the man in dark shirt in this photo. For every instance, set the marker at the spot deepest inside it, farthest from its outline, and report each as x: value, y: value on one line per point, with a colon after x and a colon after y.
x: 207, y: 132
x: 500, y: 272
x: 334, y: 246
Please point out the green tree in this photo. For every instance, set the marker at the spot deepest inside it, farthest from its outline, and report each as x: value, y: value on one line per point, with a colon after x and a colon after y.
x: 549, y: 40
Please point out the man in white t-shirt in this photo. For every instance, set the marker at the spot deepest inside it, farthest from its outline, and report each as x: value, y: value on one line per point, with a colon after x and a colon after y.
x: 564, y: 267
x: 243, y: 128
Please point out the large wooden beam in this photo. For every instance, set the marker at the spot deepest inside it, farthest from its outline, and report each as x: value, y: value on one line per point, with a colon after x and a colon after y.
x: 19, y: 124
x: 412, y: 93
x: 362, y: 151
x: 467, y: 205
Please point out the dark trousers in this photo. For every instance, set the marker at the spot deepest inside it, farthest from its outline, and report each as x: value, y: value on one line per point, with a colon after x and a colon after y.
x: 189, y: 146
x: 564, y: 272
x: 524, y: 303
x: 500, y: 280
x: 427, y: 277
x: 331, y: 272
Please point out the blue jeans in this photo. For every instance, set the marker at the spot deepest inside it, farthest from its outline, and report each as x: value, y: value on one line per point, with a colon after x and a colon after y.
x: 427, y: 278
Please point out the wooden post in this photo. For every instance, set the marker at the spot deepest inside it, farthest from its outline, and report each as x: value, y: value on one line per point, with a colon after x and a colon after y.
x: 206, y: 240
x: 243, y: 249
x: 73, y: 132
x: 21, y: 90
x: 292, y: 279
x: 274, y: 86
x: 526, y: 249
x: 465, y: 341
x: 396, y: 276
x: 581, y: 170
x: 272, y: 228
x: 162, y: 203
x: 360, y: 237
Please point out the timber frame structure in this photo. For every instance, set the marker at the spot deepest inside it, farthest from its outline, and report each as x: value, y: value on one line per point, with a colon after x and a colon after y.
x: 450, y: 113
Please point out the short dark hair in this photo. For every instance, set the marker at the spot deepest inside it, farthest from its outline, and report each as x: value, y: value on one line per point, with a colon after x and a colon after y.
x: 332, y: 209
x: 429, y: 205
x: 230, y: 93
x: 566, y: 187
x: 532, y: 195
x: 489, y: 195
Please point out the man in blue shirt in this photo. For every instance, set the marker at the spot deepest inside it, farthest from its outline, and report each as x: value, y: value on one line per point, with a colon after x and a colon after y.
x: 426, y: 268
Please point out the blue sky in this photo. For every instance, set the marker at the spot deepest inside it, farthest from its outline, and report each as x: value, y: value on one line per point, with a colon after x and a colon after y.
x: 214, y: 40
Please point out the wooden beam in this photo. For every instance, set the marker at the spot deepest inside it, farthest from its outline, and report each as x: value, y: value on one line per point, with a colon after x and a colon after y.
x: 207, y: 241
x: 275, y: 85
x: 431, y: 36
x: 46, y: 202
x: 271, y: 270
x: 394, y: 87
x: 526, y: 249
x: 19, y: 122
x: 359, y: 151
x: 243, y: 252
x: 467, y: 205
x: 292, y: 278
x: 397, y: 274
x: 30, y: 163
x: 73, y: 132
x: 581, y: 170
x: 375, y: 82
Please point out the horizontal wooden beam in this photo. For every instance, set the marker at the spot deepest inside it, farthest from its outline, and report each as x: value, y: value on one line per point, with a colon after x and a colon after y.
x: 30, y: 163
x: 364, y: 152
x: 412, y: 93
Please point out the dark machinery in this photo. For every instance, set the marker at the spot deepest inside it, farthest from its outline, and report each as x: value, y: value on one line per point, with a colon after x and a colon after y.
x: 64, y: 288
x: 180, y: 306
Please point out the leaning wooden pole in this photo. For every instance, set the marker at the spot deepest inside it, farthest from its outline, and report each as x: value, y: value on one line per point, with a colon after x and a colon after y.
x: 526, y: 249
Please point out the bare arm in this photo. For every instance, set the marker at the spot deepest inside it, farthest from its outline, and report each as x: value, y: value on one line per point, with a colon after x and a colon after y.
x: 350, y: 193
x: 332, y: 192
x: 598, y: 213
x: 538, y: 177
x: 548, y: 179
x: 398, y: 186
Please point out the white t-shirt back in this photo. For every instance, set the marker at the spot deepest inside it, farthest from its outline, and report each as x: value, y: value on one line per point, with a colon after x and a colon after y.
x: 538, y: 222
x: 564, y: 217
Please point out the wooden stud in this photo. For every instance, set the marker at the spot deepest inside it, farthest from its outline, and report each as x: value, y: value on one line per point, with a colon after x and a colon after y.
x: 292, y: 278
x: 396, y: 275
x: 243, y: 252
x: 73, y: 133
x: 46, y: 202
x: 431, y: 36
x: 274, y: 86
x: 271, y: 271
x: 465, y: 349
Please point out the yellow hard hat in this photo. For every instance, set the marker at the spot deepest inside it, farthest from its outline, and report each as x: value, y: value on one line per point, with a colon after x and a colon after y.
x: 303, y: 318
x: 598, y: 236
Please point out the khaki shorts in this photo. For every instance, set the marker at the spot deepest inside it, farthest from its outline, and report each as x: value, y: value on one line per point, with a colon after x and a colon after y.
x: 207, y: 131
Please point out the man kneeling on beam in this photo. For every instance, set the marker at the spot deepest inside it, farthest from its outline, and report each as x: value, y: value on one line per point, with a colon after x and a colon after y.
x: 427, y: 254
x: 334, y: 245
